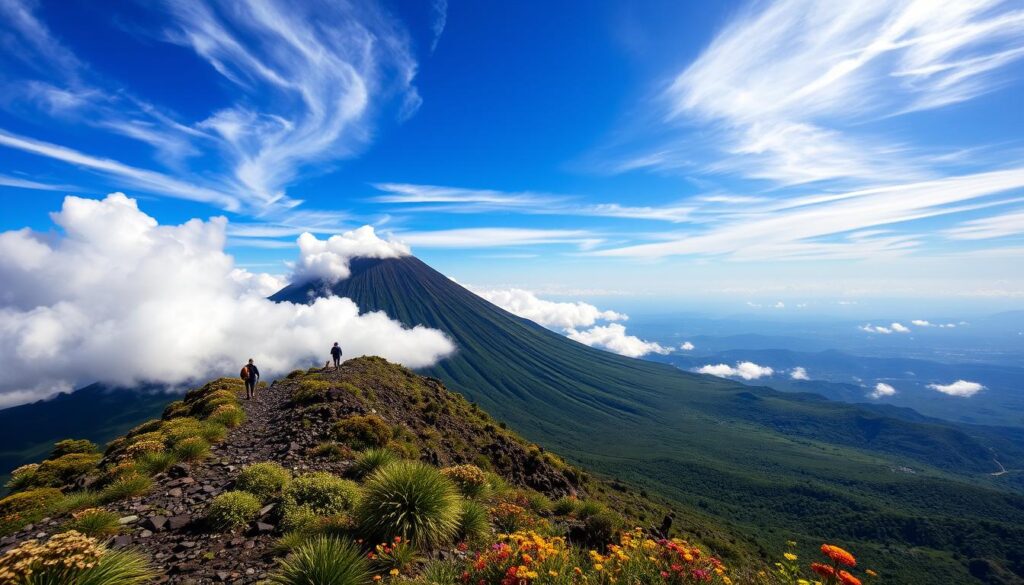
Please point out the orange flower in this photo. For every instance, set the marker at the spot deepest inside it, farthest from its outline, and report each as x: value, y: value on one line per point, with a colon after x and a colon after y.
x: 848, y: 579
x: 839, y: 555
x: 823, y: 570
x: 871, y: 573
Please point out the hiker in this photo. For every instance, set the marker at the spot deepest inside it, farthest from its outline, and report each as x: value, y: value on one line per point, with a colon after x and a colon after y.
x: 251, y: 374
x: 336, y: 354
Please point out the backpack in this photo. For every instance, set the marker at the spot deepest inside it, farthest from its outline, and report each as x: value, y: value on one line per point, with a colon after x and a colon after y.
x: 244, y: 374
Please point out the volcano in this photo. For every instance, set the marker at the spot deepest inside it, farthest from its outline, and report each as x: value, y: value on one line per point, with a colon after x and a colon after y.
x: 739, y: 458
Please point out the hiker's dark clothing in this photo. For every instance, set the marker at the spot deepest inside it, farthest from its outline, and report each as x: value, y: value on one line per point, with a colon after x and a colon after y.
x: 251, y: 380
x: 336, y: 354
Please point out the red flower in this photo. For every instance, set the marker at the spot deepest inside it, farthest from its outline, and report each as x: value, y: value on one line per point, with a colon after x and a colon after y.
x: 825, y: 571
x: 839, y: 555
x: 848, y: 579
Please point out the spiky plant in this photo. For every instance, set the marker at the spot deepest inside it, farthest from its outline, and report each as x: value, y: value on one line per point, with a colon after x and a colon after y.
x: 323, y: 560
x: 192, y: 449
x: 371, y: 460
x: 154, y: 463
x: 412, y: 500
x: 126, y: 486
x: 96, y: 523
x: 263, y: 480
x: 117, y: 567
x: 473, y: 521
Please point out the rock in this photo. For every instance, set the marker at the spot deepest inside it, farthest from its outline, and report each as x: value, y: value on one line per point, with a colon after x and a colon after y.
x: 178, y: 522
x: 266, y: 510
x: 174, y: 492
x: 127, y: 519
x: 180, y: 470
x: 223, y: 576
x: 155, y: 523
x: 122, y: 541
x: 264, y: 527
x: 145, y: 534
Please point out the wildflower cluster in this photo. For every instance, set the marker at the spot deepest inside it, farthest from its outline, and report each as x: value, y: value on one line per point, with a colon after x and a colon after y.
x: 59, y: 560
x: 834, y: 572
x: 393, y: 557
x: 510, y: 517
x: 520, y: 559
x: 640, y: 559
x: 471, y: 479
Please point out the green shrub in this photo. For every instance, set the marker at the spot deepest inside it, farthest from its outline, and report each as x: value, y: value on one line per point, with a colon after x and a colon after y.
x: 473, y: 523
x: 291, y: 540
x: 263, y: 480
x: 442, y: 573
x: 76, y: 501
x: 150, y: 426
x: 538, y: 502
x: 323, y: 493
x: 179, y: 429
x: 295, y: 374
x: 22, y: 477
x: 598, y: 529
x: 174, y: 410
x: 228, y: 415
x: 127, y: 486
x: 65, y: 469
x: 310, y: 391
x: 564, y: 506
x: 333, y: 451
x: 26, y: 507
x: 137, y: 450
x: 371, y: 460
x: 154, y: 463
x: 324, y: 560
x: 96, y: 523
x: 508, y: 517
x: 212, y: 432
x: 192, y: 449
x: 69, y: 446
x: 587, y: 508
x: 363, y: 431
x: 232, y: 510
x: 296, y: 517
x: 412, y: 500
x: 470, y: 479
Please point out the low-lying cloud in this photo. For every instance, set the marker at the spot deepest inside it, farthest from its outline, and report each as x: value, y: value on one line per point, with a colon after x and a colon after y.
x: 961, y: 388
x: 613, y: 337
x: 566, y: 315
x: 687, y: 346
x: 892, y: 328
x: 882, y: 390
x: 329, y: 259
x: 799, y: 373
x: 745, y: 370
x: 122, y: 300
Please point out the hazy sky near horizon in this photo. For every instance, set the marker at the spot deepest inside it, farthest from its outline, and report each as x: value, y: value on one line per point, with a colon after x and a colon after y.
x: 755, y: 151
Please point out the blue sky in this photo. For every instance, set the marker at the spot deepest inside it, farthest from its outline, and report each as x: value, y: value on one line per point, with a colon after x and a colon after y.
x: 754, y: 152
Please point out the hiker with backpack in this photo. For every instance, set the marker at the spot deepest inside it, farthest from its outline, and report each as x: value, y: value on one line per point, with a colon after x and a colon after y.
x: 251, y: 375
x: 336, y: 355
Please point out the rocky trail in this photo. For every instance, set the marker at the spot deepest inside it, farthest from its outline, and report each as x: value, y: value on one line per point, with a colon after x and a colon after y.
x: 168, y: 522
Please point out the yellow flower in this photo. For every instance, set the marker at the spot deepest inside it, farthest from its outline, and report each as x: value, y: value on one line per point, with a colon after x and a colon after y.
x: 393, y: 572
x: 790, y: 556
x: 553, y: 573
x: 598, y: 567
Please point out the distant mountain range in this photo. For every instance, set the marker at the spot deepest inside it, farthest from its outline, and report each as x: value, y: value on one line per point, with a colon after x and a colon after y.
x: 751, y: 461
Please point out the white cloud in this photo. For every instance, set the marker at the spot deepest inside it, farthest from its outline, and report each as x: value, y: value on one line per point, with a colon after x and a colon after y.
x: 782, y: 88
x: 304, y: 87
x: 779, y: 305
x: 122, y: 300
x: 999, y: 226
x: 924, y: 323
x: 328, y: 259
x: 961, y: 388
x: 19, y: 183
x: 564, y: 315
x: 613, y: 337
x: 921, y: 323
x: 900, y: 328
x: 882, y: 390
x: 799, y: 373
x: 687, y: 346
x: 745, y: 370
x: 496, y: 237
x: 869, y: 328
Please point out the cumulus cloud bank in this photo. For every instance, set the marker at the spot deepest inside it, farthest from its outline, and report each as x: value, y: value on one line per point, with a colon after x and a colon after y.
x: 566, y: 315
x: 799, y: 373
x: 687, y: 346
x: 881, y: 390
x: 745, y: 370
x: 123, y: 300
x: 961, y: 388
x: 571, y: 317
x: 613, y: 337
x: 328, y: 259
x: 893, y: 328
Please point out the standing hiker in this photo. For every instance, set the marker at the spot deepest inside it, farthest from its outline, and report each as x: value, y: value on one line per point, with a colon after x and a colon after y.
x: 336, y: 354
x: 251, y: 375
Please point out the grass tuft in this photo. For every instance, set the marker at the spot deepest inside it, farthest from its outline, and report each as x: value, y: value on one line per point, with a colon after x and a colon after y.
x: 412, y: 500
x: 323, y: 560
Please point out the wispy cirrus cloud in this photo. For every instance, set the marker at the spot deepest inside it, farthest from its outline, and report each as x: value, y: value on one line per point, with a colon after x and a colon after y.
x: 306, y: 83
x: 496, y: 237
x: 783, y: 91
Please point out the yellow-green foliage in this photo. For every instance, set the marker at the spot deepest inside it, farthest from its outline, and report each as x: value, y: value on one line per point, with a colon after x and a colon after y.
x: 229, y: 415
x: 64, y: 470
x: 175, y: 409
x: 362, y: 431
x: 232, y: 510
x: 411, y: 500
x: 263, y: 480
x: 310, y: 391
x: 179, y: 429
x: 333, y: 451
x: 212, y: 432
x: 21, y: 477
x: 295, y: 374
x: 25, y: 507
x: 126, y: 486
x: 72, y: 558
x: 137, y: 450
x: 323, y: 493
x: 192, y: 449
x: 95, y: 522
x: 69, y: 446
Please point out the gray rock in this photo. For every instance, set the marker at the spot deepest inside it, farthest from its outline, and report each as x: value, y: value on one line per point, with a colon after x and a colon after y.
x: 127, y: 519
x: 155, y: 523
x: 178, y: 522
x: 264, y: 527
